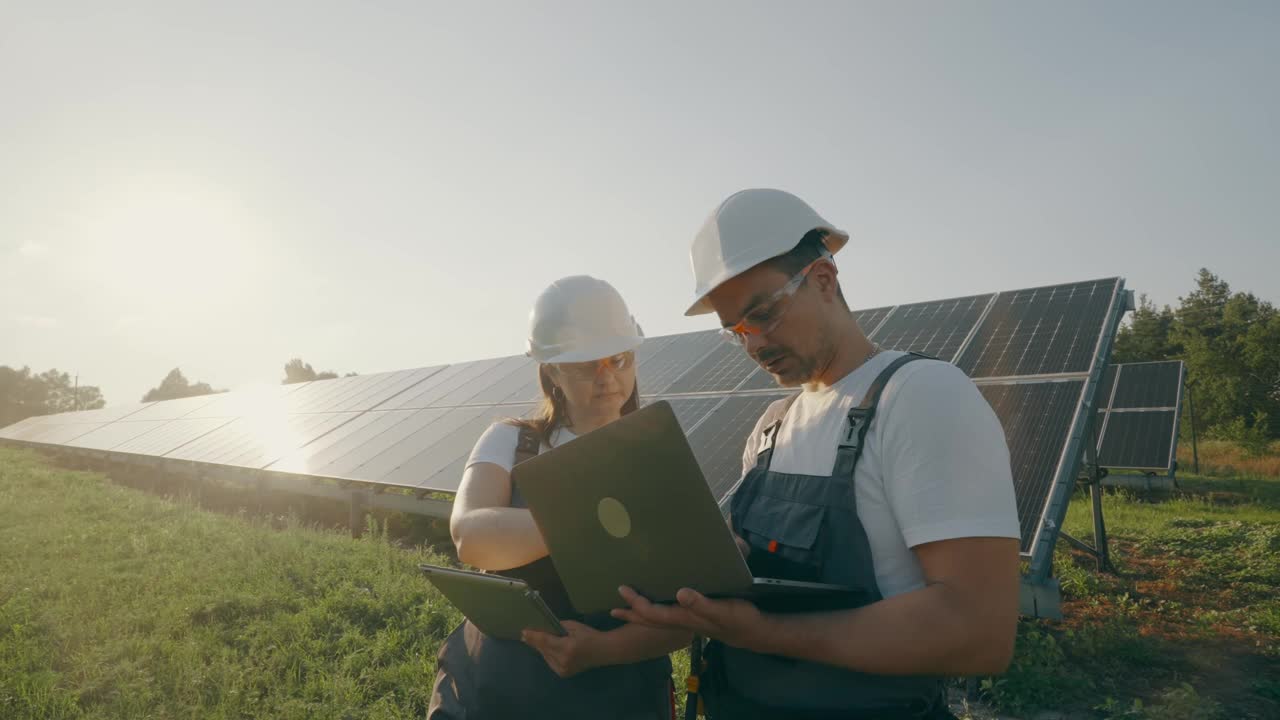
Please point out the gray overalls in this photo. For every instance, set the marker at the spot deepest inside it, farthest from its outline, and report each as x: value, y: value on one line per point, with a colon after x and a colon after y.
x: 480, y: 677
x: 806, y: 527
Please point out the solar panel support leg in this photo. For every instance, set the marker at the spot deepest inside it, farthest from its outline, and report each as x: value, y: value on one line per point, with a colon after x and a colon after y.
x: 1078, y: 543
x: 1040, y: 599
x: 197, y: 487
x: 1195, y: 447
x: 260, y: 494
x: 359, y: 502
x: 1099, y: 528
x: 1095, y: 498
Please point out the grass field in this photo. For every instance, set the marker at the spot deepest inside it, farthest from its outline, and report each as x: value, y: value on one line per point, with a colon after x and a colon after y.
x: 119, y: 604
x: 115, y: 603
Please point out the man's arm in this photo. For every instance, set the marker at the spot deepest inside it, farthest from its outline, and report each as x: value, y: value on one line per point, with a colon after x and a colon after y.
x: 963, y: 621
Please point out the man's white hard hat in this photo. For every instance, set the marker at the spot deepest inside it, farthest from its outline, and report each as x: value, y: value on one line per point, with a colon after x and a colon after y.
x: 749, y: 227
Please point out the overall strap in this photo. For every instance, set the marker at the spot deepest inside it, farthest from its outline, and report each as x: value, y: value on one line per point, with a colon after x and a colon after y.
x: 527, y: 446
x: 860, y: 417
x: 771, y: 421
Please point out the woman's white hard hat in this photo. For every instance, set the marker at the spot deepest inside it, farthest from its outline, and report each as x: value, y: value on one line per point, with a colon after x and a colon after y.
x: 580, y: 318
x: 749, y: 227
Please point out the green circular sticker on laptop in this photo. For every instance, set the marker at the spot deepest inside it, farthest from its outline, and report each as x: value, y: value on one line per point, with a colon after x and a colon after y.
x: 614, y: 517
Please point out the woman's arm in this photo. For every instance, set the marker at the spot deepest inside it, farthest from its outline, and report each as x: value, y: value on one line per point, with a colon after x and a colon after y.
x: 489, y: 534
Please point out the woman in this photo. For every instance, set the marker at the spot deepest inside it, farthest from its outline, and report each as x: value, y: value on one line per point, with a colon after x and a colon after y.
x: 583, y: 338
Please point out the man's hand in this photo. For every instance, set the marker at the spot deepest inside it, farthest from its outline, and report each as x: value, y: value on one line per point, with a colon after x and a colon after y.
x: 570, y: 654
x: 734, y: 622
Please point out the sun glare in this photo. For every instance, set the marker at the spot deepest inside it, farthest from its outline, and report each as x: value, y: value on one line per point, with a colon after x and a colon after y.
x: 267, y: 420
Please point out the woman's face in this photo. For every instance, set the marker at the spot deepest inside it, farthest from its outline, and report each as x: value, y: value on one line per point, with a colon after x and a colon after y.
x: 596, y: 388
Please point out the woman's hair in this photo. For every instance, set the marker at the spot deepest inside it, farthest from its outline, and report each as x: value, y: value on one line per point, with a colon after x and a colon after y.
x: 552, y: 413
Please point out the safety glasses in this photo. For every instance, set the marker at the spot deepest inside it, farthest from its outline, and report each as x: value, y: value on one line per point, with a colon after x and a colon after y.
x: 590, y: 369
x: 765, y: 316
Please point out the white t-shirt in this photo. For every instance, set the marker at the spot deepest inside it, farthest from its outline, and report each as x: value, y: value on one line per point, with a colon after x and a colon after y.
x: 935, y: 465
x: 498, y: 444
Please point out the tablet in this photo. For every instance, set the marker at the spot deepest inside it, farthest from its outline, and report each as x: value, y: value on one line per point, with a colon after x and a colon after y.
x: 501, y: 607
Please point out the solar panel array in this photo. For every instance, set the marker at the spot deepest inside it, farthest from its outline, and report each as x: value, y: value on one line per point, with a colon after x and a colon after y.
x: 1034, y: 353
x: 1139, y: 405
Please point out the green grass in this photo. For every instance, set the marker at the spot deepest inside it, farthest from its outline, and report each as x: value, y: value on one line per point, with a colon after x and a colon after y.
x: 118, y: 604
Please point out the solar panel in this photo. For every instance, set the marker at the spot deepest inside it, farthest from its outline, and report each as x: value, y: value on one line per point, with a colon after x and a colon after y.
x: 522, y: 381
x: 47, y: 433
x: 1041, y: 331
x: 719, y: 441
x: 12, y: 432
x: 255, y: 441
x: 651, y: 347
x: 468, y: 393
x: 172, y: 435
x: 173, y: 409
x: 431, y: 470
x: 266, y: 447
x: 870, y: 319
x: 658, y: 372
x: 459, y: 447
x: 419, y: 442
x: 256, y: 400
x: 343, y: 451
x: 722, y: 370
x: 356, y: 393
x: 1137, y: 422
x: 937, y: 329
x: 110, y: 435
x: 449, y: 380
x: 1139, y: 440
x: 1036, y: 418
x: 691, y: 411
x: 101, y: 415
x: 1149, y: 385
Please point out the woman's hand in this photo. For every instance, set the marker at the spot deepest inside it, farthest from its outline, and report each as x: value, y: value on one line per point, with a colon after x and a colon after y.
x: 580, y: 649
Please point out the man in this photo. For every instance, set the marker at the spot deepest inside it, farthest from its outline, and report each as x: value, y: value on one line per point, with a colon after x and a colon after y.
x: 921, y: 520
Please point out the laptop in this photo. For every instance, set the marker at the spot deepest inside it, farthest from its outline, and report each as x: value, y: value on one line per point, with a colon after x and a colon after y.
x: 501, y: 607
x: 627, y: 504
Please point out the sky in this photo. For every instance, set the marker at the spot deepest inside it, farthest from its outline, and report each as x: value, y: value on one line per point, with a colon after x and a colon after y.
x: 376, y: 186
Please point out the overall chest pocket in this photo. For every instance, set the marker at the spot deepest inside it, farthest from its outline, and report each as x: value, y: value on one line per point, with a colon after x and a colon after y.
x: 785, y: 538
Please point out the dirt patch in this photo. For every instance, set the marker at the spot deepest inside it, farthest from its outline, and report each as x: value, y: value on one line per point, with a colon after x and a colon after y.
x: 1154, y: 598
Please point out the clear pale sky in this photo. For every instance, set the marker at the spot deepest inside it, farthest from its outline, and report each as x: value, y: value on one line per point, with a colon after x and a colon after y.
x: 376, y: 186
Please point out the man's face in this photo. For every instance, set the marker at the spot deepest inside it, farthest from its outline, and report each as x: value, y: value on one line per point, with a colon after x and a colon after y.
x: 797, y: 343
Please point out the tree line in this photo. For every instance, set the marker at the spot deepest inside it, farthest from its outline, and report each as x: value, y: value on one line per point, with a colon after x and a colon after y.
x: 1230, y: 342
x: 24, y: 393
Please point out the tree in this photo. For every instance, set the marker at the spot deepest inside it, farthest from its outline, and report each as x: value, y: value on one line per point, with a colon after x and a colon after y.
x: 1231, y: 343
x: 23, y: 394
x: 175, y: 385
x: 296, y: 371
x: 1145, y: 337
x: 63, y: 394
